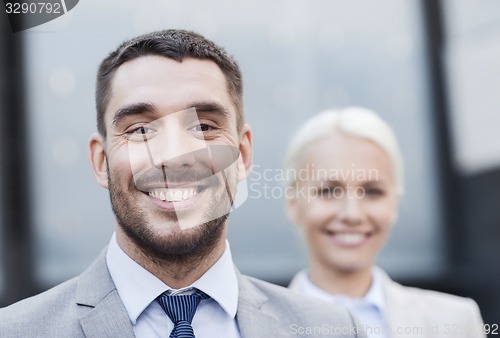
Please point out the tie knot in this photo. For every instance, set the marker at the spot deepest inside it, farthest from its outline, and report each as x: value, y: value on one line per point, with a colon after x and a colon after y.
x: 181, y: 308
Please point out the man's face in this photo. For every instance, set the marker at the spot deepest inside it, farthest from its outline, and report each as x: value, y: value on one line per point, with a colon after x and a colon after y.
x: 173, y: 155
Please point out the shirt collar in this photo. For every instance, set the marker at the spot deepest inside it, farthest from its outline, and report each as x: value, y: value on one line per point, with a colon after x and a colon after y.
x: 374, y: 296
x: 137, y: 287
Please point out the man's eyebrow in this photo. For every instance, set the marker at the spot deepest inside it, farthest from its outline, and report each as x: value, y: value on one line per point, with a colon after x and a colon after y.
x: 133, y: 109
x: 142, y: 107
x: 208, y: 107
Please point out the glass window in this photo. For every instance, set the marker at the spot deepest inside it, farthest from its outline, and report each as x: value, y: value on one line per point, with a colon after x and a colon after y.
x: 473, y: 78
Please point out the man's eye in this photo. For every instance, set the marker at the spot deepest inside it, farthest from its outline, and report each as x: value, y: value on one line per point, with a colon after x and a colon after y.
x: 203, y: 127
x: 140, y: 131
x: 138, y: 134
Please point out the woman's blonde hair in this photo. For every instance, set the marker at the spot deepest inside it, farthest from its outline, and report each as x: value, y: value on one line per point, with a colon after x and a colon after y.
x: 351, y: 121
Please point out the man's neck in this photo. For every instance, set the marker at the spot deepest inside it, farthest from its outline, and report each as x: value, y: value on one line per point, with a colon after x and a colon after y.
x: 176, y: 273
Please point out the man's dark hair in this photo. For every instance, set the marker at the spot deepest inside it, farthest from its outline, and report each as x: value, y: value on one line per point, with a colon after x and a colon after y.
x: 174, y: 44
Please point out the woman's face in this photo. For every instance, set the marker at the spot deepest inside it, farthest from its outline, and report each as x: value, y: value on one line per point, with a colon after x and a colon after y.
x: 345, y: 201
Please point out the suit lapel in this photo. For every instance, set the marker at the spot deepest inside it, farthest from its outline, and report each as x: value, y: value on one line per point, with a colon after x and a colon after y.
x: 252, y: 318
x: 101, y: 310
x: 402, y: 313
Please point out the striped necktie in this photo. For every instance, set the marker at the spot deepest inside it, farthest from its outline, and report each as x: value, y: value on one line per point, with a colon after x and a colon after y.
x: 180, y: 309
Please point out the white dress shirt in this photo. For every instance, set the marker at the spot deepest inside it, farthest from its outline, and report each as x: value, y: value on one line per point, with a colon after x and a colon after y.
x: 138, y: 288
x: 369, y: 310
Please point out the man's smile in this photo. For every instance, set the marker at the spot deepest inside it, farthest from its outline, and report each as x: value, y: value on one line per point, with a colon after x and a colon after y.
x: 173, y: 195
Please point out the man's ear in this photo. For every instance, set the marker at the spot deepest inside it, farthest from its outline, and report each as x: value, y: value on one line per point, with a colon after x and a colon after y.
x: 97, y: 159
x: 245, y: 159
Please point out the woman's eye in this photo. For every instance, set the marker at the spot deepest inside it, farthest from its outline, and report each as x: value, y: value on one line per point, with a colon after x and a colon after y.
x: 329, y: 191
x: 374, y: 192
x: 325, y: 191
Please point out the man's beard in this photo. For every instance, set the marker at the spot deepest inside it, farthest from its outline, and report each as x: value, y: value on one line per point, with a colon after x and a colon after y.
x: 186, y: 245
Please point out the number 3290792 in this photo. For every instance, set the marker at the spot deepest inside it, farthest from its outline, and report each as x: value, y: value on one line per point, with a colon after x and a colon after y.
x: 32, y: 8
x: 491, y: 329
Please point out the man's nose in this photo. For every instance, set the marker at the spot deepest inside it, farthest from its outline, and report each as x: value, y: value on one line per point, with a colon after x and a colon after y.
x: 174, y: 147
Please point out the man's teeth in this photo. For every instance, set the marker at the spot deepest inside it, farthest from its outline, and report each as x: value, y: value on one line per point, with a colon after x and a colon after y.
x: 173, y: 195
x: 350, y: 238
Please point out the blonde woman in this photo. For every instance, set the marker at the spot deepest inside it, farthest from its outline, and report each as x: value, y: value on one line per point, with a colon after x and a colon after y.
x: 346, y: 178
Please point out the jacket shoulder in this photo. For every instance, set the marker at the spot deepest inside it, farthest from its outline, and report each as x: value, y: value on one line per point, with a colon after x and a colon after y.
x: 459, y: 315
x: 440, y: 300
x: 306, y: 313
x: 46, y: 314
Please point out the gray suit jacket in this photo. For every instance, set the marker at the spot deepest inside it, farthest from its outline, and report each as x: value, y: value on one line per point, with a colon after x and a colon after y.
x: 89, y: 306
x: 430, y: 314
x: 418, y: 313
